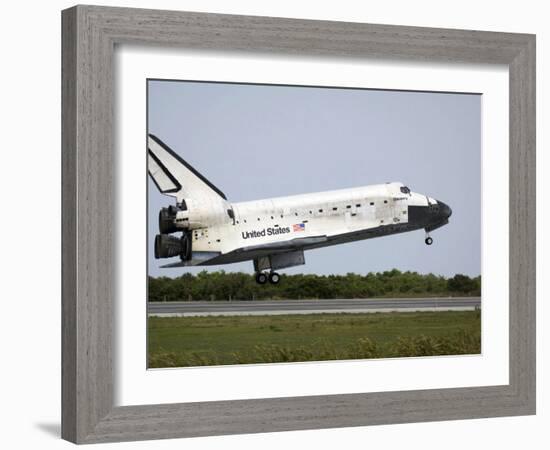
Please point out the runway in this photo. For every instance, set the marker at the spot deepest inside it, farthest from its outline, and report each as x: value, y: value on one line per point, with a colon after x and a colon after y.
x: 279, y: 307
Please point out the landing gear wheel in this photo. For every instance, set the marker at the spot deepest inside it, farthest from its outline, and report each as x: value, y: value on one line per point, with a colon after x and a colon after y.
x: 274, y: 278
x: 261, y: 278
x: 429, y: 241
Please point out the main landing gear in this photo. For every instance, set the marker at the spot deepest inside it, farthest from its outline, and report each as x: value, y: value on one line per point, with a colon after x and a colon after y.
x: 428, y: 240
x: 272, y: 277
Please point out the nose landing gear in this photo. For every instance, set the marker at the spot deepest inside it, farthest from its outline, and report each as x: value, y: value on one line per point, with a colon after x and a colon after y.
x: 428, y: 240
x: 263, y: 277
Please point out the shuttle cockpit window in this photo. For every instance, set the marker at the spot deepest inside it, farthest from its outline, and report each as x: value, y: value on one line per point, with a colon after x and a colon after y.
x: 405, y: 190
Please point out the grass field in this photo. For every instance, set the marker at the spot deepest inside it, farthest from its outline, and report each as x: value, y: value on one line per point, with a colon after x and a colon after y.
x: 219, y: 340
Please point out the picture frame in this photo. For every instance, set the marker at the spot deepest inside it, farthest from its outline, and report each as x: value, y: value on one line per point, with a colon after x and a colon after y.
x: 89, y: 37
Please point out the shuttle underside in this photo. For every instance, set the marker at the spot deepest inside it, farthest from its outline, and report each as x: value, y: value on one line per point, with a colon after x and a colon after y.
x: 204, y: 228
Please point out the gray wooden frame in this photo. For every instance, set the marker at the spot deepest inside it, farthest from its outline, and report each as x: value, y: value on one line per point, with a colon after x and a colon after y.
x: 89, y: 36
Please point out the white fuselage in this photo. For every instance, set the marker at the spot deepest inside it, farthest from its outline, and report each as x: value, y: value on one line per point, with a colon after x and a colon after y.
x: 329, y: 213
x: 275, y: 232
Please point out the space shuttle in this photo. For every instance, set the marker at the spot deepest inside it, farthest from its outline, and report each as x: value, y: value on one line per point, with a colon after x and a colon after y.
x: 203, y: 228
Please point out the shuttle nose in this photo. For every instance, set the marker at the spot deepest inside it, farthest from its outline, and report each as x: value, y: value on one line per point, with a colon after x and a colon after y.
x: 430, y: 217
x: 445, y: 210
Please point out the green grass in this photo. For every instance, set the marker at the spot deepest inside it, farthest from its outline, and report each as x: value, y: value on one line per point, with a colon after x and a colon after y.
x: 219, y: 340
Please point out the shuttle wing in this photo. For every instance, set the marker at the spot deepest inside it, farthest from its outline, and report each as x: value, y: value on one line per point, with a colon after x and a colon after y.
x: 175, y: 177
x: 256, y: 251
x: 199, y: 258
x: 250, y: 252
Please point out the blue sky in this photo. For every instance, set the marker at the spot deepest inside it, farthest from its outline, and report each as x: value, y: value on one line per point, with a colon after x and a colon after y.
x: 258, y: 141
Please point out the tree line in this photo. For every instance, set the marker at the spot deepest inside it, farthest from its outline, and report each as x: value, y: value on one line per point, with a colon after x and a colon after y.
x: 223, y: 285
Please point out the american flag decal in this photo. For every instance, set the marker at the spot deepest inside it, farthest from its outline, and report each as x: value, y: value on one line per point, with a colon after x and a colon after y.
x: 299, y: 227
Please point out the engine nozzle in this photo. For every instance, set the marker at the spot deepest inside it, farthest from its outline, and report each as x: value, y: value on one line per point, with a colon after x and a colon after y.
x: 168, y: 246
x: 167, y: 217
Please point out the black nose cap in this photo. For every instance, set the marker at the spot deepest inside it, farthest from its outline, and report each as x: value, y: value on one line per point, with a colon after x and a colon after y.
x: 445, y: 210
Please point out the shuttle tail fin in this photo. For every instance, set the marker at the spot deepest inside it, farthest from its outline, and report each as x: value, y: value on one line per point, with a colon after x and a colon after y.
x: 175, y: 177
